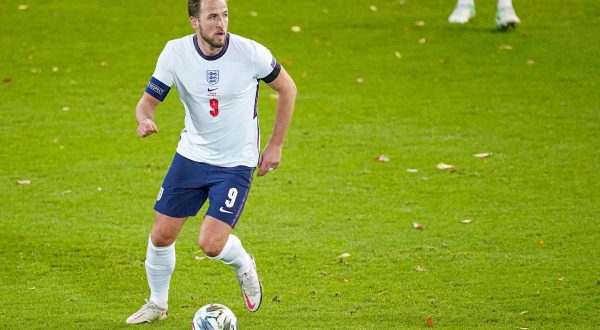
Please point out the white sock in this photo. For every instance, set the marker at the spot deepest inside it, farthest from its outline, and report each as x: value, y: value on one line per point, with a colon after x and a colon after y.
x: 160, y: 263
x: 234, y: 255
x: 504, y: 3
x: 465, y: 3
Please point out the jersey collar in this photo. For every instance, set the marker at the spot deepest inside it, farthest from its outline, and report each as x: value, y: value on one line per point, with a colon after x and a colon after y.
x: 212, y: 57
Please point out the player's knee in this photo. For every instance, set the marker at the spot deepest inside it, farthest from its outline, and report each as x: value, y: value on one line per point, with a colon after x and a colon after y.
x: 211, y: 247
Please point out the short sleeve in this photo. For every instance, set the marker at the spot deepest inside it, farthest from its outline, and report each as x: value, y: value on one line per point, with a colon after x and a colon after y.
x: 266, y: 66
x: 162, y: 78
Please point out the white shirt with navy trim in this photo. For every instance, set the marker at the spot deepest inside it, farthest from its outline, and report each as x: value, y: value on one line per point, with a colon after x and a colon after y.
x: 219, y: 94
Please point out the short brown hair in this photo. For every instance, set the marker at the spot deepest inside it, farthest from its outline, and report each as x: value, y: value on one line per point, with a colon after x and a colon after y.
x: 194, y: 7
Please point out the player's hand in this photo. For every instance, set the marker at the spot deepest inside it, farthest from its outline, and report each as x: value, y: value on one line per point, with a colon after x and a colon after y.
x: 146, y: 127
x: 269, y: 160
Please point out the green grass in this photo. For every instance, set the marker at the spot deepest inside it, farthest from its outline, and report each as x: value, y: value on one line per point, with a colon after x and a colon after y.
x: 73, y: 241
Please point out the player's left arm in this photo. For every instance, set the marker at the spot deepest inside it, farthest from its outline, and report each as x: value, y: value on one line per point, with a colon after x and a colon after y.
x: 271, y: 155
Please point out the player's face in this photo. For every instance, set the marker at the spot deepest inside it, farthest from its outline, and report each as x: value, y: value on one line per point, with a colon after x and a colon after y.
x: 213, y: 21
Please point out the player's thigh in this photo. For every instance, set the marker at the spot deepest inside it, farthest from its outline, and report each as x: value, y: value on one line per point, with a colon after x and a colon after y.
x: 165, y: 229
x: 214, y: 233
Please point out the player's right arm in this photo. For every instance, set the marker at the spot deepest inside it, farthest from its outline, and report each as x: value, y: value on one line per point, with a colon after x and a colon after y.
x: 144, y: 113
x: 156, y: 91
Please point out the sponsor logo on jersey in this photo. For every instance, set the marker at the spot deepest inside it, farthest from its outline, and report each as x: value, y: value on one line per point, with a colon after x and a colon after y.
x: 212, y: 77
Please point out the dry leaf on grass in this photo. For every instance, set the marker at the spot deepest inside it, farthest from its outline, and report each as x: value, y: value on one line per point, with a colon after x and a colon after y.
x: 483, y: 155
x: 199, y: 258
x: 373, y: 8
x: 343, y: 255
x: 420, y: 268
x: 418, y: 226
x: 382, y: 158
x: 429, y: 322
x: 360, y: 80
x: 398, y: 55
x: 412, y: 170
x: 420, y: 23
x: 7, y: 80
x: 466, y: 221
x: 296, y: 28
x: 422, y: 40
x: 23, y: 7
x: 506, y: 47
x: 444, y: 166
x: 23, y: 182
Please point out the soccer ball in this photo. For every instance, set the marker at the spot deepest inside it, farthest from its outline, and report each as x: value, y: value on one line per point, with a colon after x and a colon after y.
x: 214, y: 317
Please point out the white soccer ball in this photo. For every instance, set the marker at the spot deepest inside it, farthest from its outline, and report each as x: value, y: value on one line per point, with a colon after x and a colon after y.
x: 214, y: 317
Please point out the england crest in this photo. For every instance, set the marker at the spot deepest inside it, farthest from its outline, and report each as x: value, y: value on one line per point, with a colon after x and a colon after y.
x: 212, y: 76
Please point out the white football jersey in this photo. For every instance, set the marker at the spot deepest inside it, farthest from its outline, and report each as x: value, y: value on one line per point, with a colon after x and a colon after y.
x: 220, y: 95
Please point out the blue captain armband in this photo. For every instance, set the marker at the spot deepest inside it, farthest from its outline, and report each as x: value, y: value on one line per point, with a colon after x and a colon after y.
x: 157, y: 89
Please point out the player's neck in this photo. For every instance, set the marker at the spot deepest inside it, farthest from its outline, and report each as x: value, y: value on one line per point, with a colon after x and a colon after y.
x: 206, y: 48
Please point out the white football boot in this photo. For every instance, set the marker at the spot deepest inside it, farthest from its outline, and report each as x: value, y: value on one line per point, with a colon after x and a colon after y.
x: 148, y: 313
x: 506, y: 18
x: 251, y: 288
x: 462, y: 14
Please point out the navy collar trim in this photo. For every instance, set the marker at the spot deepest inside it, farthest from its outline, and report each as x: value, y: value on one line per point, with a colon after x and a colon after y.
x: 211, y: 57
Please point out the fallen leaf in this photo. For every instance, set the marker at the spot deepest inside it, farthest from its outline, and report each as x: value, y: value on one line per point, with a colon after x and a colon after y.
x: 429, y: 322
x: 99, y: 188
x: 54, y: 69
x: 523, y: 328
x: 103, y: 64
x: 562, y: 278
x: 23, y: 7
x: 253, y: 14
x: 422, y: 40
x: 65, y: 108
x: 199, y: 258
x: 7, y: 80
x: 373, y: 8
x: 420, y: 23
x: 530, y: 62
x: 381, y: 293
x: 344, y: 255
x: 382, y: 158
x: 412, y: 170
x: 32, y: 288
x: 296, y: 28
x: 360, y: 80
x: 418, y: 226
x: 466, y: 221
x: 420, y: 268
x: 523, y: 312
x: 506, y: 47
x: 444, y: 166
x: 398, y: 55
x: 23, y: 182
x: 541, y: 242
x: 68, y: 191
x: 483, y: 155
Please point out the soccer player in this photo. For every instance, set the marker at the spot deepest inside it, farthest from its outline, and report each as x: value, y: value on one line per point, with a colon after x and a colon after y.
x: 217, y: 76
x: 505, y: 13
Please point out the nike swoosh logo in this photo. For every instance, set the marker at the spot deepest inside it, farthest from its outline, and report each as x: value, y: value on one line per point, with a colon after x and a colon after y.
x: 250, y: 305
x: 225, y: 211
x: 213, y: 89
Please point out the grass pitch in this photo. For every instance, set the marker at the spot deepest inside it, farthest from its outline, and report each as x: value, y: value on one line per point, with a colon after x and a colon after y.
x: 395, y: 80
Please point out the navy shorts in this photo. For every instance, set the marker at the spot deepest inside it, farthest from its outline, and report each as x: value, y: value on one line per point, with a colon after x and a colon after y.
x: 188, y: 184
